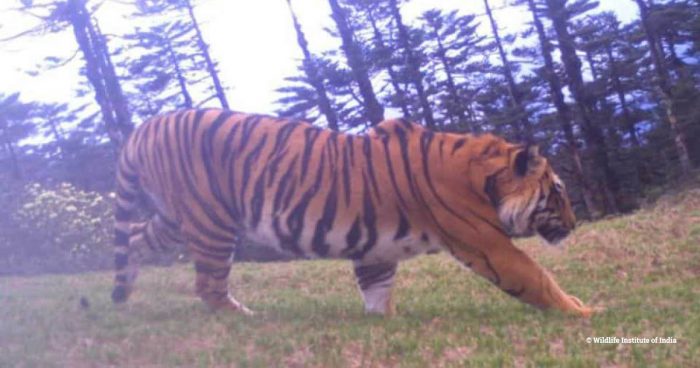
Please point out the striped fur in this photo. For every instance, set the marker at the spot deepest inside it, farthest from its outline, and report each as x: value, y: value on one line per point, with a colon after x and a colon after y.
x: 213, y: 177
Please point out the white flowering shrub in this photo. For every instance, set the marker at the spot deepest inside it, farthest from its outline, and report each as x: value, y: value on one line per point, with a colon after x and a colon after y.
x: 67, y: 218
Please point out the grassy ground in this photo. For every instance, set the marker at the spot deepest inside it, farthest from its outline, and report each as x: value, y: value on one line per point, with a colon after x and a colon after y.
x: 645, y: 268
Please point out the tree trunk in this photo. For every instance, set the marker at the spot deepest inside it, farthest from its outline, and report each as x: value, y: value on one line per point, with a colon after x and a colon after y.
x: 112, y: 85
x: 393, y: 78
x: 373, y: 109
x: 620, y: 92
x: 663, y: 83
x: 413, y: 65
x: 178, y: 73
x: 522, y: 125
x: 79, y: 19
x: 204, y: 50
x: 456, y: 105
x: 585, y: 102
x: 312, y: 73
x: 564, y: 114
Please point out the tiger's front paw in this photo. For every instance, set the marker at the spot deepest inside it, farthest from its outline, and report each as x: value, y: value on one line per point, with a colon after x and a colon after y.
x: 581, y: 309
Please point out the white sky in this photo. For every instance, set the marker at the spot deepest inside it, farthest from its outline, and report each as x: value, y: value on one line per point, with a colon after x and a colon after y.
x: 253, y: 41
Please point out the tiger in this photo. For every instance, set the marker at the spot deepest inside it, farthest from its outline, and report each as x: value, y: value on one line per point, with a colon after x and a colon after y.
x: 211, y: 179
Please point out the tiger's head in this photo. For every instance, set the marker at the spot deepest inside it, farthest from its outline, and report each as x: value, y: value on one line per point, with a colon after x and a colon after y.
x: 530, y: 198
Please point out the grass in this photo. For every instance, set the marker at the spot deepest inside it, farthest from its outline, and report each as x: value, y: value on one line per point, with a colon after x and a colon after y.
x: 644, y: 268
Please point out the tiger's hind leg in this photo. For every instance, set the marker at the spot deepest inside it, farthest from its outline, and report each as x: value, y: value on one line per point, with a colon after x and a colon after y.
x: 212, y: 263
x: 376, y: 282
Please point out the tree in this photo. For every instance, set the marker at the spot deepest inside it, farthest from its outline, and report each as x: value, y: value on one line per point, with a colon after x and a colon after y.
x: 204, y: 51
x: 374, y: 112
x: 564, y: 113
x: 664, y: 85
x: 412, y: 64
x: 523, y: 128
x: 560, y: 15
x: 57, y: 16
x: 384, y: 54
x: 313, y: 76
x: 13, y: 128
x: 453, y: 41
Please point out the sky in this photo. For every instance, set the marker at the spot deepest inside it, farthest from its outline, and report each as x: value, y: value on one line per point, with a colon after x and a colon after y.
x: 252, y: 40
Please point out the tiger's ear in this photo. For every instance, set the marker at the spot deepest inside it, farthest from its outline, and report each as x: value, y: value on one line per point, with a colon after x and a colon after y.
x: 526, y: 159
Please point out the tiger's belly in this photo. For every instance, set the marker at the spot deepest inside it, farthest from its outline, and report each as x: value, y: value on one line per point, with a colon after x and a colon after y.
x: 384, y: 249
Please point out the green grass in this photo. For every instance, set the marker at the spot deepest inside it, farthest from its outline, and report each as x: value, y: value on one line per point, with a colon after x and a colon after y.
x: 644, y: 268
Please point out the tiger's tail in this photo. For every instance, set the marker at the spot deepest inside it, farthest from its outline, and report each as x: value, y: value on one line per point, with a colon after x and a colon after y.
x: 128, y: 193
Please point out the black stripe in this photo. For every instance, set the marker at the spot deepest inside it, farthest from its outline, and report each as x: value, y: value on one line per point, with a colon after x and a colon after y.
x: 204, y: 230
x: 282, y: 185
x: 353, y: 236
x: 121, y: 214
x: 403, y: 146
x: 370, y: 222
x: 249, y: 124
x: 123, y: 194
x: 248, y: 162
x: 258, y: 200
x: 202, y: 203
x: 332, y: 147
x: 390, y: 166
x: 282, y: 136
x: 404, y: 226
x: 370, y: 275
x: 220, y: 254
x: 458, y: 144
x: 346, y: 177
x: 120, y: 261
x: 121, y: 237
x: 367, y: 151
x: 274, y: 164
x: 207, y: 151
x: 325, y: 223
x: 406, y: 124
x: 515, y: 293
x: 349, y: 143
x: 310, y: 135
x: 229, y: 147
x: 381, y: 132
x: 295, y: 220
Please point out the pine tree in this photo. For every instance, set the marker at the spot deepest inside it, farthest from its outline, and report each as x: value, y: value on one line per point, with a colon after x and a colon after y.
x: 522, y: 123
x: 413, y: 64
x: 13, y: 128
x: 384, y: 52
x: 373, y: 111
x: 99, y: 69
x: 452, y: 41
x: 664, y: 85
x: 313, y: 76
x: 560, y: 15
x: 564, y: 114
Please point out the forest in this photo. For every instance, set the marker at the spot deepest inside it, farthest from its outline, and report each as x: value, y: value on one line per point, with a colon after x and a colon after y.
x: 615, y: 105
x: 609, y: 90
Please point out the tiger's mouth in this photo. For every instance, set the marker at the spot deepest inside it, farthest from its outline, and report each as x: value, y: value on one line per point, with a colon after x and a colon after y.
x: 553, y: 234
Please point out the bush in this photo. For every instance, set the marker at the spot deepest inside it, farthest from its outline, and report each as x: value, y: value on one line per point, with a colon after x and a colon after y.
x: 73, y: 220
x: 55, y: 229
